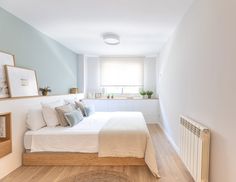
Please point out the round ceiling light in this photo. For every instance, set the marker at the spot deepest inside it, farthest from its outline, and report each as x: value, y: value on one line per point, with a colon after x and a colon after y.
x: 111, y: 38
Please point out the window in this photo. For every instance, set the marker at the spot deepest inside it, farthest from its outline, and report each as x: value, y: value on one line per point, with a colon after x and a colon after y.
x: 122, y: 90
x: 122, y: 75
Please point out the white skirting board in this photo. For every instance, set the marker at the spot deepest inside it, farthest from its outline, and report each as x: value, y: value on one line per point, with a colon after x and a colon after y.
x: 170, y: 139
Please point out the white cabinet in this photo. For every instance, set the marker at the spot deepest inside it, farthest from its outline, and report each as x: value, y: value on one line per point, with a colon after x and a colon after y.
x: 149, y: 107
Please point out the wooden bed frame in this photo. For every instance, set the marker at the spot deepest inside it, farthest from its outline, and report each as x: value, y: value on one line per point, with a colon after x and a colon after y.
x: 80, y: 159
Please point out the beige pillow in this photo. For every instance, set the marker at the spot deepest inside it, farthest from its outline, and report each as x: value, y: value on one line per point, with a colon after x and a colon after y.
x: 49, y: 113
x: 61, y: 113
x: 81, y: 106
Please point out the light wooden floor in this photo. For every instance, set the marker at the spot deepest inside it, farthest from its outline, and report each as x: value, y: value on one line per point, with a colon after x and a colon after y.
x: 170, y: 167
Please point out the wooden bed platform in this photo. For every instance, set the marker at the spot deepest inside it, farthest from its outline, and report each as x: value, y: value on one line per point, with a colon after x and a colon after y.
x: 77, y: 159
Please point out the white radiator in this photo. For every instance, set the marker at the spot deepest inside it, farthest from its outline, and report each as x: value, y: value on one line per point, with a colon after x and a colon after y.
x: 194, y: 148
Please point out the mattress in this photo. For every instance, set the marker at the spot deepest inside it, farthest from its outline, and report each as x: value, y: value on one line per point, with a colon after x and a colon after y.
x: 83, y: 137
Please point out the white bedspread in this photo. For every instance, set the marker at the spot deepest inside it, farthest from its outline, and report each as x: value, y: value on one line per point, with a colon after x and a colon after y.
x: 81, y: 138
x: 126, y: 135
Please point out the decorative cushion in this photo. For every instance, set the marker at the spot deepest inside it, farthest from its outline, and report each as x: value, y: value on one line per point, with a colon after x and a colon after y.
x: 61, y: 111
x: 74, y: 117
x: 81, y: 106
x: 49, y: 113
x: 35, y: 119
x: 89, y: 110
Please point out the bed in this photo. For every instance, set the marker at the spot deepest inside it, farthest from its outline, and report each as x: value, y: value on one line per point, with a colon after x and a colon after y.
x: 104, y: 137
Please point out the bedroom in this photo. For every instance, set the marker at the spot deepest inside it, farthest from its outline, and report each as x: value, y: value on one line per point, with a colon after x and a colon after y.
x: 182, y: 51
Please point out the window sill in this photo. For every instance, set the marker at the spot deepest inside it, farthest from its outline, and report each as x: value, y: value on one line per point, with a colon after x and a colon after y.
x: 121, y: 99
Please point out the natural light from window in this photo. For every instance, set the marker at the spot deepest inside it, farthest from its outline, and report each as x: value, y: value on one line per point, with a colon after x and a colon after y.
x: 122, y: 75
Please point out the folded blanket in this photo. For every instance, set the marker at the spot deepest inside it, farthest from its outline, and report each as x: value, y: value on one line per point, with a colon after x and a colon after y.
x: 126, y: 135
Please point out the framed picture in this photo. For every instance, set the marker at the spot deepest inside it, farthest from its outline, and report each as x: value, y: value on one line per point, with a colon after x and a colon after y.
x: 22, y: 82
x: 5, y: 59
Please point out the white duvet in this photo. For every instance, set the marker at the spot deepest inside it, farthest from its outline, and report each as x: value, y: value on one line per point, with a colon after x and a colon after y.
x: 83, y: 137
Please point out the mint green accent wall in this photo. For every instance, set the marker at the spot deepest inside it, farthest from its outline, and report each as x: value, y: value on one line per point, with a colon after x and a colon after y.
x: 55, y: 65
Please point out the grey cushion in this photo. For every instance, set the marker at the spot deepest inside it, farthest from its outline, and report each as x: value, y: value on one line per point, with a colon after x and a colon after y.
x: 61, y: 113
x: 89, y: 110
x: 81, y: 106
x: 74, y: 117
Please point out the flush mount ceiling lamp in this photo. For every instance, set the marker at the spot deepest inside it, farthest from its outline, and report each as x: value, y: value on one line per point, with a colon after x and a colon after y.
x: 111, y: 38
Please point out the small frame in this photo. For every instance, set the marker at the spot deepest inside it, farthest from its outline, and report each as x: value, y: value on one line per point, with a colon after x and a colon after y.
x: 98, y: 95
x: 22, y: 82
x: 5, y: 59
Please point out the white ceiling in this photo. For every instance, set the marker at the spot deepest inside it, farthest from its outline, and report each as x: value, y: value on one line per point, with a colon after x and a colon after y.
x: 143, y: 25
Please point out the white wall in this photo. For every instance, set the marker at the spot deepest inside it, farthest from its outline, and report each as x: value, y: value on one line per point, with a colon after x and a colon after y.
x: 80, y: 73
x: 150, y: 74
x: 198, y: 79
x: 92, y: 72
x: 19, y: 109
x: 157, y: 74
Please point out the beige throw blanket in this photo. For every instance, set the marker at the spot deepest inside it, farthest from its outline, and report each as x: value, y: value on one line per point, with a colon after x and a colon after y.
x: 126, y: 135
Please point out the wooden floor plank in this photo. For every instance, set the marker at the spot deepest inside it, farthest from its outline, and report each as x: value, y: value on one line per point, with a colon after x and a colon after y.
x: 170, y: 166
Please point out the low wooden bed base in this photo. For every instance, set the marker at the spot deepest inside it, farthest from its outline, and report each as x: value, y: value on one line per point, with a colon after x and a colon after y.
x: 80, y: 159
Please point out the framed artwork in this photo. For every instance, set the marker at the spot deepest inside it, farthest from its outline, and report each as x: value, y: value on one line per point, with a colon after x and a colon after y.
x: 22, y: 82
x: 5, y: 59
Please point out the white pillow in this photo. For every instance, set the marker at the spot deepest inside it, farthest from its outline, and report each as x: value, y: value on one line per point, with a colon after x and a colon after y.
x: 50, y: 114
x: 35, y: 119
x: 70, y: 101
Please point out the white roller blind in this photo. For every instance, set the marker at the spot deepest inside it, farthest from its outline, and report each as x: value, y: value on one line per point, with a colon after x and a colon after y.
x: 121, y: 71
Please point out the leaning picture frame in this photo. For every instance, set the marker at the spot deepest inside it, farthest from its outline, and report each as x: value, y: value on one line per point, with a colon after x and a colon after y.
x: 22, y: 82
x: 5, y: 59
